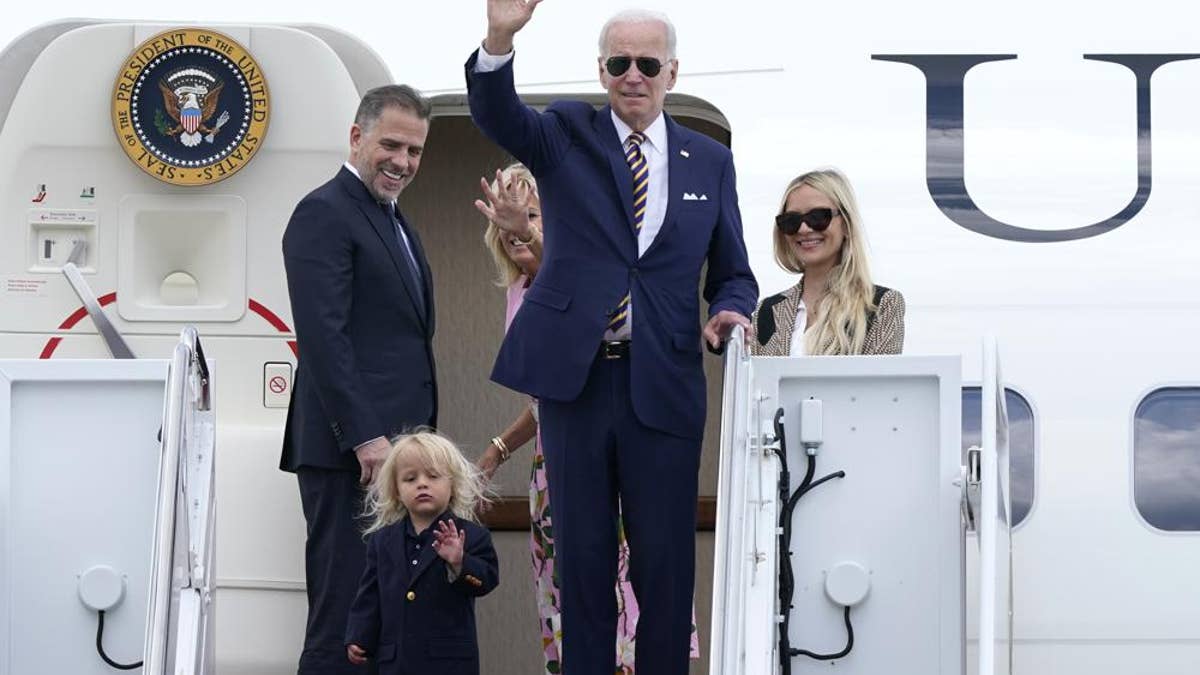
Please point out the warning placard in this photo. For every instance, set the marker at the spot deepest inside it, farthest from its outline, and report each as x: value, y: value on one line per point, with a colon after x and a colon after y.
x: 30, y: 287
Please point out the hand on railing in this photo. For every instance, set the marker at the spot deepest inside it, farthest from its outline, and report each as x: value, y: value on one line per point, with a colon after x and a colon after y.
x: 720, y: 327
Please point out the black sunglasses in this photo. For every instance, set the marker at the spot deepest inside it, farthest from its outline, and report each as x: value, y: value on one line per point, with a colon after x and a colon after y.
x: 618, y: 65
x: 818, y: 220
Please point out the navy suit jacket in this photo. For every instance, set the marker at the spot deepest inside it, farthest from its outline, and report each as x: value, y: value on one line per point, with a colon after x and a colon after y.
x: 591, y: 255
x: 365, y: 367
x: 410, y: 619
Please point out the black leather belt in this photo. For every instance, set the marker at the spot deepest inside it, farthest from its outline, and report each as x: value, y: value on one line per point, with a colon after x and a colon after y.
x: 614, y: 349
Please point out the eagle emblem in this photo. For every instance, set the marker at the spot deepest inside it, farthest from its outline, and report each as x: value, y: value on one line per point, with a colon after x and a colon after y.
x: 190, y: 106
x: 191, y: 97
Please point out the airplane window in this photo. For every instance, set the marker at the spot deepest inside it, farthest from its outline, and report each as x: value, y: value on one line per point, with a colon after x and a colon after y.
x: 1166, y: 458
x: 1020, y: 445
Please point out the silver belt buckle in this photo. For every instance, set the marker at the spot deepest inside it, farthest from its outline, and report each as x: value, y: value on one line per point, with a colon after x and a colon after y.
x: 613, y: 349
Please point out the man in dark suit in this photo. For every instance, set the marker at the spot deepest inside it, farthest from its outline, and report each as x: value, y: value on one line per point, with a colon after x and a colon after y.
x: 362, y: 302
x: 608, y: 338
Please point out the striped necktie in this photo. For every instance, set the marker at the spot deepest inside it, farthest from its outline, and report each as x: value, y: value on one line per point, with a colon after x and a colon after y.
x: 641, y: 184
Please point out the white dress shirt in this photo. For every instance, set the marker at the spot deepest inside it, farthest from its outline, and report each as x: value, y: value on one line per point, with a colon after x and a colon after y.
x: 798, y: 331
x: 654, y: 149
x: 486, y: 63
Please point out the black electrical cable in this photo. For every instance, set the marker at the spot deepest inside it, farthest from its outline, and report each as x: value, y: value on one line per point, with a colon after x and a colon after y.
x: 782, y: 452
x: 838, y: 655
x: 785, y: 565
x: 100, y: 647
x: 787, y: 581
x: 805, y: 489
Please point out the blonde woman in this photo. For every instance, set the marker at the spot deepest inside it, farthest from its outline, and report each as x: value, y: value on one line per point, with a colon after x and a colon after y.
x: 514, y: 238
x: 835, y: 308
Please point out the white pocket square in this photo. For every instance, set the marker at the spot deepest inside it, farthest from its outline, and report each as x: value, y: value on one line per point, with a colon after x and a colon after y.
x: 691, y: 197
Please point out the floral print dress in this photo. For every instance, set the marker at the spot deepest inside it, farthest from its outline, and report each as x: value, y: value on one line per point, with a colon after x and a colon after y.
x: 541, y: 548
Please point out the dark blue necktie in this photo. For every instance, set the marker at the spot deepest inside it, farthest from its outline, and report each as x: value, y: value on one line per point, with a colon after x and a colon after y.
x: 405, y: 245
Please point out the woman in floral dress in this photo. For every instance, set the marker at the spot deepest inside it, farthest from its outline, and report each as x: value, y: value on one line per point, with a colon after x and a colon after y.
x: 516, y: 250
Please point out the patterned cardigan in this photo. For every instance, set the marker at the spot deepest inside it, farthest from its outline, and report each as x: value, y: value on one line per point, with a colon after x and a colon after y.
x: 775, y: 319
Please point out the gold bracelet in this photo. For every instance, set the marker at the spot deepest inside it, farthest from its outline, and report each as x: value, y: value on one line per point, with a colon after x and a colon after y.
x: 502, y: 447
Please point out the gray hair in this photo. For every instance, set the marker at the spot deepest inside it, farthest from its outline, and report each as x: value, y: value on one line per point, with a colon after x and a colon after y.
x: 639, y: 16
x: 402, y: 96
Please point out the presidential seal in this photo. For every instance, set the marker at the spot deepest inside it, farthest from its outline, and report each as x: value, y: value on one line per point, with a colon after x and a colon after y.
x: 190, y: 106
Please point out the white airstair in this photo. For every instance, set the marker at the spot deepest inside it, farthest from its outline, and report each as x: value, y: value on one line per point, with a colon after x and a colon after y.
x: 845, y: 511
x: 107, y: 514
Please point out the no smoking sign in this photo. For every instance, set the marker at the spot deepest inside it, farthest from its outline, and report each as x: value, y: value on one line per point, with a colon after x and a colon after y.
x: 277, y: 384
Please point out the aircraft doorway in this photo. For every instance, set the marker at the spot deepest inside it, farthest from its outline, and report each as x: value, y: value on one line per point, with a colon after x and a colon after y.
x: 470, y: 326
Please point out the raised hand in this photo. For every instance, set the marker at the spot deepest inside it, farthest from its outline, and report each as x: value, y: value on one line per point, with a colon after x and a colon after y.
x: 505, y: 18
x: 507, y: 206
x: 449, y: 542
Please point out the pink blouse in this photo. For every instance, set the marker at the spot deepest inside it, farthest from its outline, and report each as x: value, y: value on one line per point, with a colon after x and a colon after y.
x: 516, y: 293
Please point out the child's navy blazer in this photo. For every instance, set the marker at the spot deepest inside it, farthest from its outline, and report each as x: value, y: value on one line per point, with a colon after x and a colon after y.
x: 409, y: 618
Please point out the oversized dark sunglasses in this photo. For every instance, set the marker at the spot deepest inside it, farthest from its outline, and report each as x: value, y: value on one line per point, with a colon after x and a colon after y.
x: 818, y: 220
x: 618, y: 65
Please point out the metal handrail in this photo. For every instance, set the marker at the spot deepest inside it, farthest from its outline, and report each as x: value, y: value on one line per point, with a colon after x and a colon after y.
x: 159, y: 597
x: 187, y: 362
x: 111, y: 336
x: 725, y: 567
